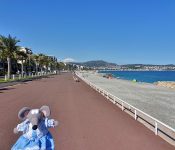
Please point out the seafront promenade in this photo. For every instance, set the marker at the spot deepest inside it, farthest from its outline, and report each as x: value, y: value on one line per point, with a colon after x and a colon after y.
x: 156, y: 101
x: 87, y: 120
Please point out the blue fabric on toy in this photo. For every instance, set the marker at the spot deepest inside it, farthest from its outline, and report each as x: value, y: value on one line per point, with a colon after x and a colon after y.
x: 39, y: 139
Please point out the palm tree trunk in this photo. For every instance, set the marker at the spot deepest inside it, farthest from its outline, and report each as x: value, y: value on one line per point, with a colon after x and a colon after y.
x: 9, y: 67
x: 3, y: 65
x: 22, y: 68
x: 30, y: 67
x: 36, y: 67
x: 17, y: 66
x: 47, y: 68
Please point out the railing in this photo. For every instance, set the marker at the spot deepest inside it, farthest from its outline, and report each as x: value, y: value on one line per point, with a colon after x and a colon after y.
x: 160, y: 128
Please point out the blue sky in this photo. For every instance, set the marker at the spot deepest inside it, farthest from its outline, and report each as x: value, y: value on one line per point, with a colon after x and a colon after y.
x: 120, y: 31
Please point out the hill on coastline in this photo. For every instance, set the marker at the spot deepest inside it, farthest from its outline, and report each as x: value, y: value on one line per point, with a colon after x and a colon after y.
x: 96, y: 63
x: 101, y: 64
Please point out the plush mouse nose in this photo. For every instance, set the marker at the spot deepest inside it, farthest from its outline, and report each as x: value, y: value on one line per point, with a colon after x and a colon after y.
x: 34, y: 127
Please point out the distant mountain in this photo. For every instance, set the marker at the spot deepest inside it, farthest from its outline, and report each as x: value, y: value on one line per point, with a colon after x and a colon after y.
x: 147, y: 67
x: 97, y: 64
x: 170, y: 65
x: 101, y: 64
x: 143, y: 65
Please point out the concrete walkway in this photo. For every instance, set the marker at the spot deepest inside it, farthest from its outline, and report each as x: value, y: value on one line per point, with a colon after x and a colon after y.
x: 87, y: 120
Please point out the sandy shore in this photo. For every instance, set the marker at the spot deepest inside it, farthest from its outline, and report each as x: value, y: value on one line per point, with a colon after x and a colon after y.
x: 156, y: 101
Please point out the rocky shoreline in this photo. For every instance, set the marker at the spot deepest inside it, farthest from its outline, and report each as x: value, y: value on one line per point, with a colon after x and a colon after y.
x: 168, y: 84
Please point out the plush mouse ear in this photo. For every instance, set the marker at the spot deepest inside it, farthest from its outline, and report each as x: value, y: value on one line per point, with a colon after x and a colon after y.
x: 23, y: 113
x: 45, y: 110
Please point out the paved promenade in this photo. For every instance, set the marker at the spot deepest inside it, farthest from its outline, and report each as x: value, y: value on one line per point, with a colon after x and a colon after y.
x: 87, y: 120
x: 156, y: 101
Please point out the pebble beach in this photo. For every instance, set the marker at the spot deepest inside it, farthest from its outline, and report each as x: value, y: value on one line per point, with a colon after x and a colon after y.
x: 157, y: 101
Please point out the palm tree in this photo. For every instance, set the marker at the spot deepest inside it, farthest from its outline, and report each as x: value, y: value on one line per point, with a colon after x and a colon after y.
x: 2, y: 61
x: 29, y: 54
x: 46, y: 62
x: 40, y: 61
x: 55, y: 64
x: 58, y: 67
x: 35, y: 58
x: 21, y: 56
x: 9, y: 47
x: 43, y: 61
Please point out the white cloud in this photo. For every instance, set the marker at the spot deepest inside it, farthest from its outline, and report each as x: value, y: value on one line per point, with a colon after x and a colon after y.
x: 69, y: 60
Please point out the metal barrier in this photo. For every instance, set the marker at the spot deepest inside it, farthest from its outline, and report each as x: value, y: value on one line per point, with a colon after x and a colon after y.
x: 160, y: 128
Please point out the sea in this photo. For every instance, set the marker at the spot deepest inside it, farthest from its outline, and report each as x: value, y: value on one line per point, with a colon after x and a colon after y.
x: 143, y: 76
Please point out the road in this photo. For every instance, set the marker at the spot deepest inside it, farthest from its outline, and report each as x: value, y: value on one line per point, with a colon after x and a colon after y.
x: 87, y: 120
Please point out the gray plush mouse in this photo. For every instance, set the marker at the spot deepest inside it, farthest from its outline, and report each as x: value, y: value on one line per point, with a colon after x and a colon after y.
x: 36, y: 135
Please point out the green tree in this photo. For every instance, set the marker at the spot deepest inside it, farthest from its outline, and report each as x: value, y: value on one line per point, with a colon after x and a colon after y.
x: 21, y: 56
x: 41, y: 61
x: 29, y: 57
x: 35, y: 58
x: 46, y: 62
x: 3, y: 61
x: 8, y: 46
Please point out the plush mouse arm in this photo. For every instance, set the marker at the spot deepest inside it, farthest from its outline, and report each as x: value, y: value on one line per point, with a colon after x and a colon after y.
x: 51, y: 123
x: 56, y: 123
x: 15, y: 130
x: 22, y: 127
